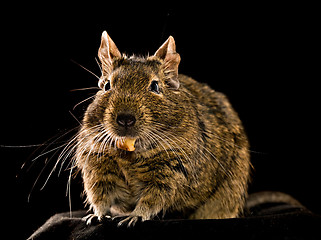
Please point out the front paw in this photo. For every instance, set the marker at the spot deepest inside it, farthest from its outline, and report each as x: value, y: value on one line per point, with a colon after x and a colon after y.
x: 92, y: 219
x: 132, y: 218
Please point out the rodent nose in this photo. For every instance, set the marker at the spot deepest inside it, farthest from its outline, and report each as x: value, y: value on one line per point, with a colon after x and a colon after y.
x: 126, y: 120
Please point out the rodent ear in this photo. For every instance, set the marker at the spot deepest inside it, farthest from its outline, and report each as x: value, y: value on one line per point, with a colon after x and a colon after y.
x: 167, y: 53
x: 107, y: 52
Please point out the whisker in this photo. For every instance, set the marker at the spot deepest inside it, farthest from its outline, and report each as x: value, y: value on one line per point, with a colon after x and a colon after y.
x: 105, y: 140
x: 75, y: 118
x: 23, y: 146
x: 156, y: 134
x: 101, y: 71
x: 191, y: 146
x: 47, y: 161
x: 84, y: 68
x: 34, y: 184
x: 68, y: 190
x: 45, y: 153
x: 63, y: 156
x: 203, y: 154
x: 83, y: 101
x: 216, y: 136
x: 83, y: 89
x: 152, y: 134
x: 93, y: 145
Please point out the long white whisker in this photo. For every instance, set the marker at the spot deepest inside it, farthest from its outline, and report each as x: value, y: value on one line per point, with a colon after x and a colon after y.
x: 66, y: 152
x: 85, y: 68
x: 163, y: 138
x: 191, y: 146
x: 83, y: 89
x: 101, y: 71
x: 42, y: 170
x: 106, y: 140
x: 70, y: 147
x: 83, y: 101
x: 75, y: 118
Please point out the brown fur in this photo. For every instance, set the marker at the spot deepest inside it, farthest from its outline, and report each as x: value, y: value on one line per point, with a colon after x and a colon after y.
x: 191, y: 157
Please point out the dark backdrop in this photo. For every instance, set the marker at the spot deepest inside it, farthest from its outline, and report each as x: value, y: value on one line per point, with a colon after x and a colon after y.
x: 261, y: 57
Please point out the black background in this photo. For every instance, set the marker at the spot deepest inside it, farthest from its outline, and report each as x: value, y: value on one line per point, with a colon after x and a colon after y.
x: 263, y: 57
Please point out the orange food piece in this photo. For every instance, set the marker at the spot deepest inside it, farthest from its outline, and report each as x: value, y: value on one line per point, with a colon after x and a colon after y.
x: 126, y: 144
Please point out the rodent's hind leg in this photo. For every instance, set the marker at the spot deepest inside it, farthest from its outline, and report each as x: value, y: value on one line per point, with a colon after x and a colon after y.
x: 93, y: 218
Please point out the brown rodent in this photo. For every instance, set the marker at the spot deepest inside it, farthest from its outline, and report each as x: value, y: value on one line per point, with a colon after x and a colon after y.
x: 155, y: 142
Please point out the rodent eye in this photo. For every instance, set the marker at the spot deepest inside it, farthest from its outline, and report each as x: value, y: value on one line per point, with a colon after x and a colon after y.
x: 154, y: 87
x: 107, y: 86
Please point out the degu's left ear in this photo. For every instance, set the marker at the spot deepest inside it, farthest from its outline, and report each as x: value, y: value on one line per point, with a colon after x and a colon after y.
x: 167, y: 53
x: 107, y: 52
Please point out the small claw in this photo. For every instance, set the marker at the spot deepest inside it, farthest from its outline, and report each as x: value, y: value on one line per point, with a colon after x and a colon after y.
x: 133, y: 221
x: 116, y: 217
x: 90, y: 218
x: 93, y: 219
x: 130, y: 221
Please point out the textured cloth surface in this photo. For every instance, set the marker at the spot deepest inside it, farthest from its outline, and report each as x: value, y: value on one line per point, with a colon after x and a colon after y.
x: 264, y: 218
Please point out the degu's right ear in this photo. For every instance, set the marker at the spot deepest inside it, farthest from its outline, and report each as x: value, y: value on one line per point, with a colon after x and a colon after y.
x: 171, y: 59
x: 107, y: 52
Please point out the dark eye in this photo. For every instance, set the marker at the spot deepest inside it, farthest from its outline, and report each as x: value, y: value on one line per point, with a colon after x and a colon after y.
x: 154, y: 87
x: 107, y: 86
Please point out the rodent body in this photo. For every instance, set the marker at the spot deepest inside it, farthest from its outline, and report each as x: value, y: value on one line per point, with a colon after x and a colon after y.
x: 191, y: 154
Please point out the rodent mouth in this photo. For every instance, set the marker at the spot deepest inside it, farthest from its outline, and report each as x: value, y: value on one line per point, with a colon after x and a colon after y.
x: 132, y: 140
x: 126, y: 143
x: 134, y: 144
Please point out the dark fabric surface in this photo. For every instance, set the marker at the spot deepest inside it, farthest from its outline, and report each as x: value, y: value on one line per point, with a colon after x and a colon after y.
x: 264, y: 218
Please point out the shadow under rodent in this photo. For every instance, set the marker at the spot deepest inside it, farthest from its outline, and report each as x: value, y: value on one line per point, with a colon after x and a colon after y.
x: 155, y: 142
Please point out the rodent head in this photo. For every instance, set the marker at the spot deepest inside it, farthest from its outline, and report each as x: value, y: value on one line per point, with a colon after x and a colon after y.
x: 137, y: 94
